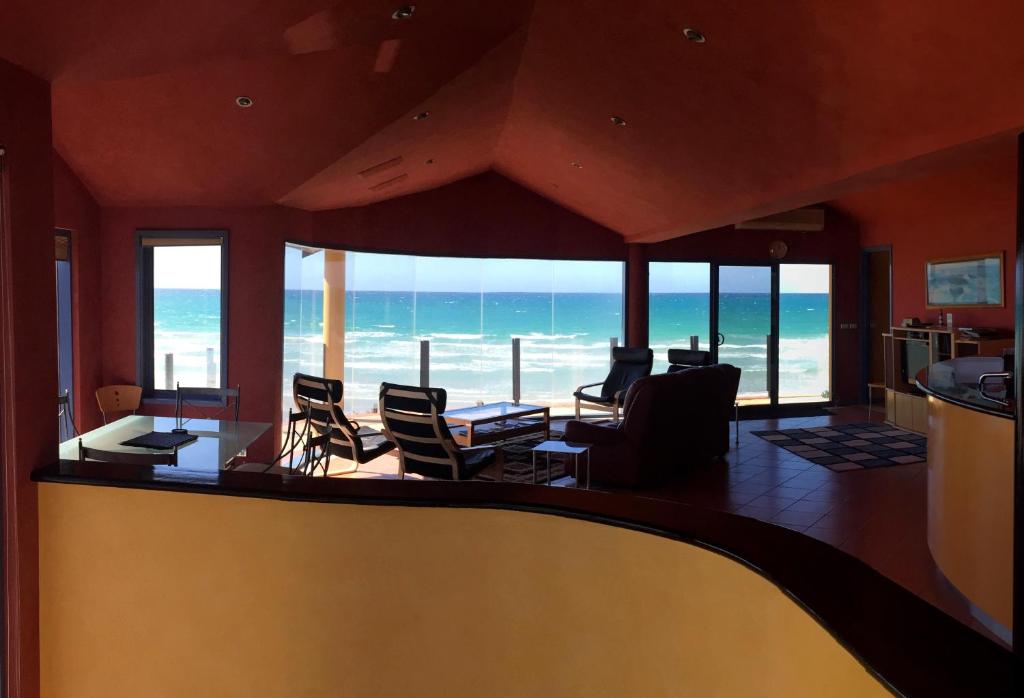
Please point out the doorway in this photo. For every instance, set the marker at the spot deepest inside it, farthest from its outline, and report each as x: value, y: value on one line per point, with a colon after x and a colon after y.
x: 65, y: 343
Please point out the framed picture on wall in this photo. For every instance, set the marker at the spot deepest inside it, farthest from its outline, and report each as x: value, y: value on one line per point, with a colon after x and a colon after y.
x: 966, y: 282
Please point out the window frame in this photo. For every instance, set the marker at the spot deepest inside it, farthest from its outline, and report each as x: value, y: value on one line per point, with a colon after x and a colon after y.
x: 144, y: 365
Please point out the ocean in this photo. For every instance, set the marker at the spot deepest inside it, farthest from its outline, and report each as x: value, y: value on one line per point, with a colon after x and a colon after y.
x: 564, y: 340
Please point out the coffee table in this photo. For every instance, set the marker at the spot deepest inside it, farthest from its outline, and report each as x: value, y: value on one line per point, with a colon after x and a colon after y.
x: 498, y: 421
x: 569, y: 449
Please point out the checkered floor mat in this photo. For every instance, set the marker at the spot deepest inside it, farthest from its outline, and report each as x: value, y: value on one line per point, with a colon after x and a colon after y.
x: 851, y: 446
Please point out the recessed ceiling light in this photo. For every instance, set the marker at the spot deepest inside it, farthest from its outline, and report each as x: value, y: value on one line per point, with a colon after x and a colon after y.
x: 403, y: 12
x: 618, y: 121
x: 421, y: 116
x: 694, y: 35
x: 243, y: 101
x: 577, y: 165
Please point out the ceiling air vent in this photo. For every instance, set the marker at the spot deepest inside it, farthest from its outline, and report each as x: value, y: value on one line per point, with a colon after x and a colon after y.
x: 388, y: 182
x: 380, y: 167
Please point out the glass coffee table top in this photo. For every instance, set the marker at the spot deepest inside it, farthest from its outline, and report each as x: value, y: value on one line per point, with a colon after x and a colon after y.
x: 493, y: 411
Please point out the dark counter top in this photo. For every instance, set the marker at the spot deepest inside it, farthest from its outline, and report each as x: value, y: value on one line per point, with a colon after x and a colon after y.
x: 956, y: 381
x: 907, y: 643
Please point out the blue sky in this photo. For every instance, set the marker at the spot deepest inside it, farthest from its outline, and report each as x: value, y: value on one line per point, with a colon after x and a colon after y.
x: 186, y: 267
x: 199, y: 267
x: 387, y: 272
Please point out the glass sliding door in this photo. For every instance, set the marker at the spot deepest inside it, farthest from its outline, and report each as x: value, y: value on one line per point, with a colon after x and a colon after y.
x: 745, y: 295
x: 679, y: 308
x: 805, y: 349
x: 303, y: 316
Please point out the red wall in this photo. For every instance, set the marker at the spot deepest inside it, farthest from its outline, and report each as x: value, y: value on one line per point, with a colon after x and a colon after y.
x: 486, y: 215
x: 960, y: 209
x: 75, y: 210
x: 836, y: 245
x: 28, y: 359
x: 255, y: 314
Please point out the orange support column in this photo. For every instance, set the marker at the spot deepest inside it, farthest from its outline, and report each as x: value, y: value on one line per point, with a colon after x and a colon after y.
x: 334, y: 314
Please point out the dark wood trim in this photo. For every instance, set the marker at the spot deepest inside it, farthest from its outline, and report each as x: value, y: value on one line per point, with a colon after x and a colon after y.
x: 1018, y: 372
x: 907, y: 643
x: 773, y: 341
x: 10, y: 555
x: 713, y: 312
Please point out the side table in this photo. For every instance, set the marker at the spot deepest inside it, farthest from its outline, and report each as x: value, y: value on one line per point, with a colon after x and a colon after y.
x: 564, y: 448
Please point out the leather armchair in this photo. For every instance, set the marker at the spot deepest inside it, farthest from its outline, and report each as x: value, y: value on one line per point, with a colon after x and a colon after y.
x: 671, y: 422
x: 628, y: 365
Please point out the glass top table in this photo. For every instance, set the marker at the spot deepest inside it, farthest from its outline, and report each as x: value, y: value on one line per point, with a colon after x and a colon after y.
x: 497, y: 421
x: 219, y: 440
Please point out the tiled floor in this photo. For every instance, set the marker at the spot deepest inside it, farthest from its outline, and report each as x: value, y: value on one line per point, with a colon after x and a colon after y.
x: 878, y: 515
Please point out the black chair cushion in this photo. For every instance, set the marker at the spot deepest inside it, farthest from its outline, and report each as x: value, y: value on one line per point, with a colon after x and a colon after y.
x: 476, y: 459
x: 689, y: 357
x: 374, y: 443
x: 599, y: 399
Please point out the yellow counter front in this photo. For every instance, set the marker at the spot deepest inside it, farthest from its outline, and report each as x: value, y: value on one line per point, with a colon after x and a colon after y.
x: 970, y: 489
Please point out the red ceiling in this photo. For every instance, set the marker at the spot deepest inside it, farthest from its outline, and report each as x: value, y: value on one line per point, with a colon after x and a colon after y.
x: 786, y: 104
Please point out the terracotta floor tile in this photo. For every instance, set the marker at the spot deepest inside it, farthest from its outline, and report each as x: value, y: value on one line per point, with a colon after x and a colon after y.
x: 796, y: 518
x: 820, y: 508
x: 789, y: 492
x: 754, y: 512
x: 777, y: 504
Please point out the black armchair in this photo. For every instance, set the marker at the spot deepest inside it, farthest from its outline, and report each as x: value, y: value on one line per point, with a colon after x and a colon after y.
x: 628, y: 366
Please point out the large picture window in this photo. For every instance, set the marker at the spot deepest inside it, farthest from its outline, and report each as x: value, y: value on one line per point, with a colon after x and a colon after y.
x: 364, y: 317
x: 182, y: 310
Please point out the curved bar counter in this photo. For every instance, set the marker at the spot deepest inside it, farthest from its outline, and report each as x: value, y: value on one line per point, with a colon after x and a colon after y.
x: 272, y: 585
x: 970, y: 486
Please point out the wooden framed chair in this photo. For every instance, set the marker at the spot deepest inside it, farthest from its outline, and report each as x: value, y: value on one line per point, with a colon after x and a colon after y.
x: 412, y: 420
x: 628, y: 366
x: 94, y: 454
x: 66, y: 428
x: 114, y: 399
x: 207, y: 403
x: 319, y: 400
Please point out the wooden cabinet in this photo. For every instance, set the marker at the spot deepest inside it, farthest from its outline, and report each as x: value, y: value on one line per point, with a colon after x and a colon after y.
x: 920, y: 415
x: 905, y: 406
x: 909, y: 411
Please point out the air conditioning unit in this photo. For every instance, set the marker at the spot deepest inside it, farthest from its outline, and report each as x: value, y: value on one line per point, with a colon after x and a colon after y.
x: 800, y: 220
